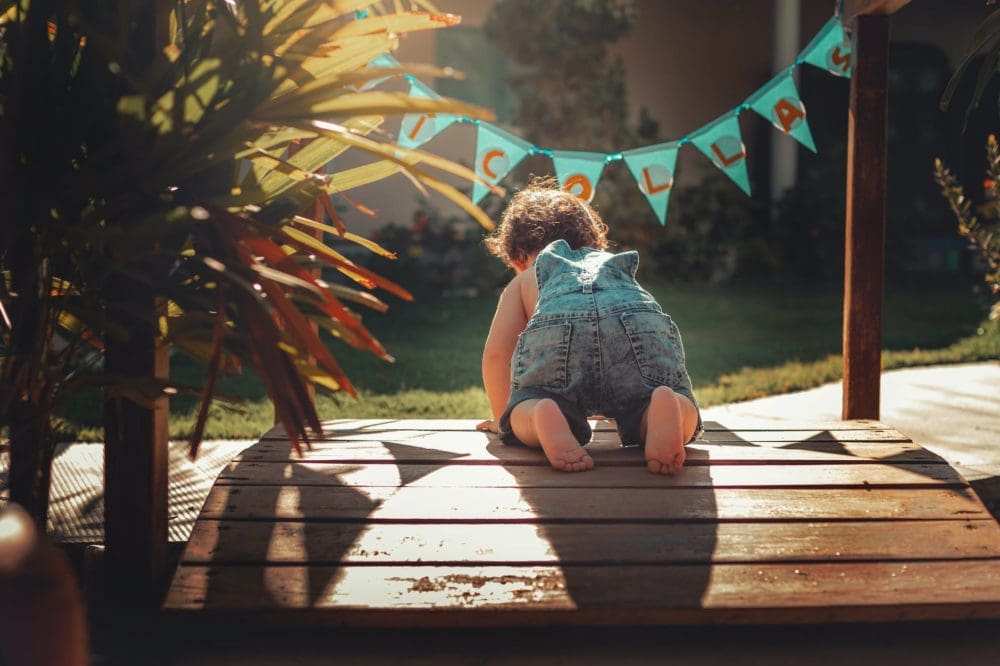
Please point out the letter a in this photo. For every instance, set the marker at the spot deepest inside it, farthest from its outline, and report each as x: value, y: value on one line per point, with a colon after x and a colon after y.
x: 788, y: 114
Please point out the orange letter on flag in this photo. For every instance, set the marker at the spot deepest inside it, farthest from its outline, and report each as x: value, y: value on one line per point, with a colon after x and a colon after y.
x: 787, y: 114
x: 727, y: 160
x: 419, y: 124
x: 489, y: 157
x: 579, y: 180
x: 844, y: 61
x: 650, y: 188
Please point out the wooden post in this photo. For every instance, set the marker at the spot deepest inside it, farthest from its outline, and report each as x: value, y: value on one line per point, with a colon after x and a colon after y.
x: 135, y: 461
x: 135, y: 434
x: 865, y: 235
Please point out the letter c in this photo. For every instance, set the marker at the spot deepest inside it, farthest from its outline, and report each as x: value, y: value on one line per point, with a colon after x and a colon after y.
x: 488, y: 157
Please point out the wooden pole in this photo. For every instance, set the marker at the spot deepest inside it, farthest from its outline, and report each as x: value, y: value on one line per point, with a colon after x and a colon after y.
x: 135, y: 464
x: 865, y: 234
x: 135, y: 432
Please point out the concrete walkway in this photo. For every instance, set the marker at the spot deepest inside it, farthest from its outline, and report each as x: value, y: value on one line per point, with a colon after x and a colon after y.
x: 952, y: 410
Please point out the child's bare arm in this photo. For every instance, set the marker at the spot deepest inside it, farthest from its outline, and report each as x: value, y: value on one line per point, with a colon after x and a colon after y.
x: 508, y: 322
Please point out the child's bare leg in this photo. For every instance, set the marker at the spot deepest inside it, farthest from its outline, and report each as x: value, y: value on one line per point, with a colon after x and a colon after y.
x: 541, y: 423
x: 666, y: 427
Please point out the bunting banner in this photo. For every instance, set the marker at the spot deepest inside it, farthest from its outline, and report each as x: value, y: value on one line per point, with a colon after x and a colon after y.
x: 829, y: 49
x: 779, y: 103
x: 497, y: 153
x: 384, y: 61
x: 722, y: 143
x: 419, y: 128
x: 653, y: 169
x: 578, y: 172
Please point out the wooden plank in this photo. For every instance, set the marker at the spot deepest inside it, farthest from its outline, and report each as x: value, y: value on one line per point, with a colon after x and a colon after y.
x: 868, y: 435
x: 865, y: 236
x: 473, y: 448
x: 536, y: 476
x: 338, y: 426
x: 610, y: 436
x: 323, y: 544
x: 415, y: 504
x: 665, y: 594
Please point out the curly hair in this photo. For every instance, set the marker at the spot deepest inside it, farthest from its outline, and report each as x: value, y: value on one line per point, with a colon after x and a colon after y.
x: 542, y: 213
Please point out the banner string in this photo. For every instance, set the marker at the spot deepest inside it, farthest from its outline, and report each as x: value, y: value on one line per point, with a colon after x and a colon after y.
x: 720, y: 140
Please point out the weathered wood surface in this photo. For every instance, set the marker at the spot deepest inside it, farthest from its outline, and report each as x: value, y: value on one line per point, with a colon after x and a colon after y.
x: 523, y: 543
x: 674, y: 594
x: 136, y: 459
x: 731, y: 423
x: 414, y: 446
x: 538, y: 476
x: 400, y: 523
x: 586, y: 505
x: 864, y: 254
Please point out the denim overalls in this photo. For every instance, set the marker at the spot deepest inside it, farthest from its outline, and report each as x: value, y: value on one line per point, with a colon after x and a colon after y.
x: 597, y: 343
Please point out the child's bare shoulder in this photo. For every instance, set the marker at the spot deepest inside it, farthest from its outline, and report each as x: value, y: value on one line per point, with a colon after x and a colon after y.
x: 526, y: 285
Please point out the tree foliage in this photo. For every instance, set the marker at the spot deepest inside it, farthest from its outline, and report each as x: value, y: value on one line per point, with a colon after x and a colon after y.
x: 981, y: 228
x: 572, y: 94
x: 165, y: 189
x: 570, y: 88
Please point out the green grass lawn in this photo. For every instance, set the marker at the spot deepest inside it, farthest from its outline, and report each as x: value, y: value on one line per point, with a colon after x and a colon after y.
x: 742, y: 342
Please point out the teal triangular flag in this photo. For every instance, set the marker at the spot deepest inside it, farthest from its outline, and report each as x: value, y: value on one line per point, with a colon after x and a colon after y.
x: 653, y: 169
x: 419, y: 128
x: 829, y: 49
x: 497, y: 153
x: 578, y: 172
x: 778, y: 101
x: 383, y: 61
x: 722, y: 143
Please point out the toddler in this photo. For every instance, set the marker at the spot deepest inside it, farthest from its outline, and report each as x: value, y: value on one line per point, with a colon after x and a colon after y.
x: 575, y: 335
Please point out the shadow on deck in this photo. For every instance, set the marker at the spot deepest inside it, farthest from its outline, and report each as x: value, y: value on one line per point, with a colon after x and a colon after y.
x: 429, y: 524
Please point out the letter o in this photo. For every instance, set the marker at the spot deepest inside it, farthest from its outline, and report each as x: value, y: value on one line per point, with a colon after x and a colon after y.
x: 579, y: 186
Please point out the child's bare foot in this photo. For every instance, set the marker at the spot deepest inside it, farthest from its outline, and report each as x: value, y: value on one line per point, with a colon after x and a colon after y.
x: 664, y: 433
x: 541, y: 422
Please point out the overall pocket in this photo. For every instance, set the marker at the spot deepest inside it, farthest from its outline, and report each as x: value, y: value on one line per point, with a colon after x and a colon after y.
x: 656, y: 344
x: 542, y: 356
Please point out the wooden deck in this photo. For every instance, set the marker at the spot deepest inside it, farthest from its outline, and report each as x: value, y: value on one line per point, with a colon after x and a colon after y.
x: 430, y: 523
